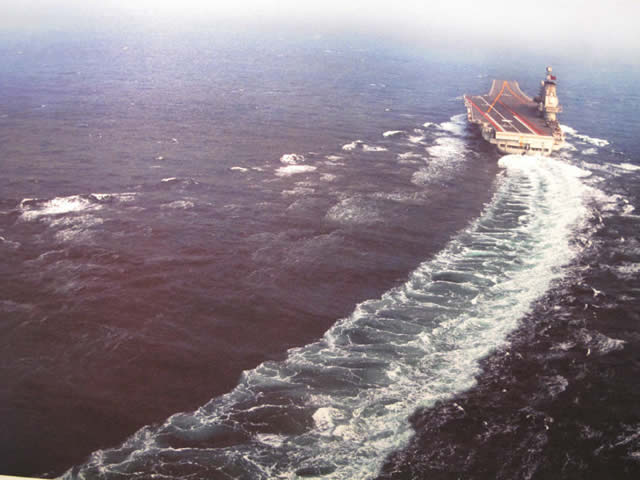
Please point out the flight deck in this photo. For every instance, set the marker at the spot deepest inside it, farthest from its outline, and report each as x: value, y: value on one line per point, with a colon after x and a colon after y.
x: 513, y: 121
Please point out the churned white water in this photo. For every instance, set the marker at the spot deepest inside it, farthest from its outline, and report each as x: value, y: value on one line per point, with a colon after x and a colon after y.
x: 338, y: 406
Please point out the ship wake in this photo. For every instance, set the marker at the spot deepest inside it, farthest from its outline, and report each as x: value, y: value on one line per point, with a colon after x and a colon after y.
x: 336, y: 407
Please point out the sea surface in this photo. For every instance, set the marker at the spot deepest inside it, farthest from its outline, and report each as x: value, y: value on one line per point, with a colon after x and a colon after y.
x: 281, y: 255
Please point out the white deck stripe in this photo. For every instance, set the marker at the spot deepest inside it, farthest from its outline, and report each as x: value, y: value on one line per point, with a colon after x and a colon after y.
x: 528, y: 127
x: 503, y: 117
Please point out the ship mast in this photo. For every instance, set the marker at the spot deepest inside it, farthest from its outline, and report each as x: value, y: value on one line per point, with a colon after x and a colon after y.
x: 548, y: 99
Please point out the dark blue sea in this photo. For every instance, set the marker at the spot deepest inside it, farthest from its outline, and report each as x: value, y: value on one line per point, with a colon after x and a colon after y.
x: 283, y: 255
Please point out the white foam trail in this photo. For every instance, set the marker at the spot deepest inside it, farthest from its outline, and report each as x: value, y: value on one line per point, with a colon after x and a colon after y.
x: 294, y: 170
x: 354, y: 389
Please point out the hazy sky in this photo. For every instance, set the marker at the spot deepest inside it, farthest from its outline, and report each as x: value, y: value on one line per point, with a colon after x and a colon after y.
x: 586, y: 26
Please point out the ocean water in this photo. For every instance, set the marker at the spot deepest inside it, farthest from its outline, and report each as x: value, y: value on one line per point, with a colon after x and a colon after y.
x: 263, y: 256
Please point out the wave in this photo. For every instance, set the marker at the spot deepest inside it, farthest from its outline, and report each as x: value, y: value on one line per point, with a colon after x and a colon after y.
x: 178, y: 205
x: 360, y: 145
x: 373, y: 148
x: 294, y: 169
x: 392, y: 133
x: 338, y: 406
x: 598, y: 142
x: 354, y: 210
x: 630, y: 167
x: 352, y: 146
x: 33, y: 209
x: 457, y: 125
x: 445, y: 156
x: 292, y: 158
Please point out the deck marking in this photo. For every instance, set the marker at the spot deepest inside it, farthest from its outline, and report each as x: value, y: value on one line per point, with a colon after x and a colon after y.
x: 520, y: 97
x: 488, y: 117
x: 531, y: 128
x: 499, y: 113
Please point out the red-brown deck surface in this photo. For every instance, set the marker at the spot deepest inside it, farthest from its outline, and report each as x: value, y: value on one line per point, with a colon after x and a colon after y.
x: 508, y: 109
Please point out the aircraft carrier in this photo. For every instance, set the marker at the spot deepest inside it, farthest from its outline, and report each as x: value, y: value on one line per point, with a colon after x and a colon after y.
x: 516, y: 123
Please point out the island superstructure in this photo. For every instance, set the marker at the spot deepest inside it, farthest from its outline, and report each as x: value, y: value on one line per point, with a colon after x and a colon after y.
x: 516, y: 123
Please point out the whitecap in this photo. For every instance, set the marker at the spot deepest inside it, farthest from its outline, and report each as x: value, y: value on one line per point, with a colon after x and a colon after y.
x: 292, y: 158
x: 325, y: 418
x: 328, y: 177
x: 568, y: 129
x: 272, y: 440
x: 294, y: 170
x: 352, y: 146
x: 124, y: 197
x: 630, y: 167
x: 399, y: 197
x: 9, y: 243
x: 598, y: 142
x: 409, y: 157
x: 589, y: 151
x: 297, y: 191
x: 447, y: 149
x: 567, y: 146
x: 599, y: 343
x: 627, y: 270
x: 555, y: 384
x: 392, y: 133
x: 239, y: 169
x: 456, y: 125
x: 169, y: 179
x: 353, y: 210
x: 79, y: 221
x: 33, y: 209
x: 76, y: 228
x: 446, y: 155
x: 372, y: 148
x: 179, y: 204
